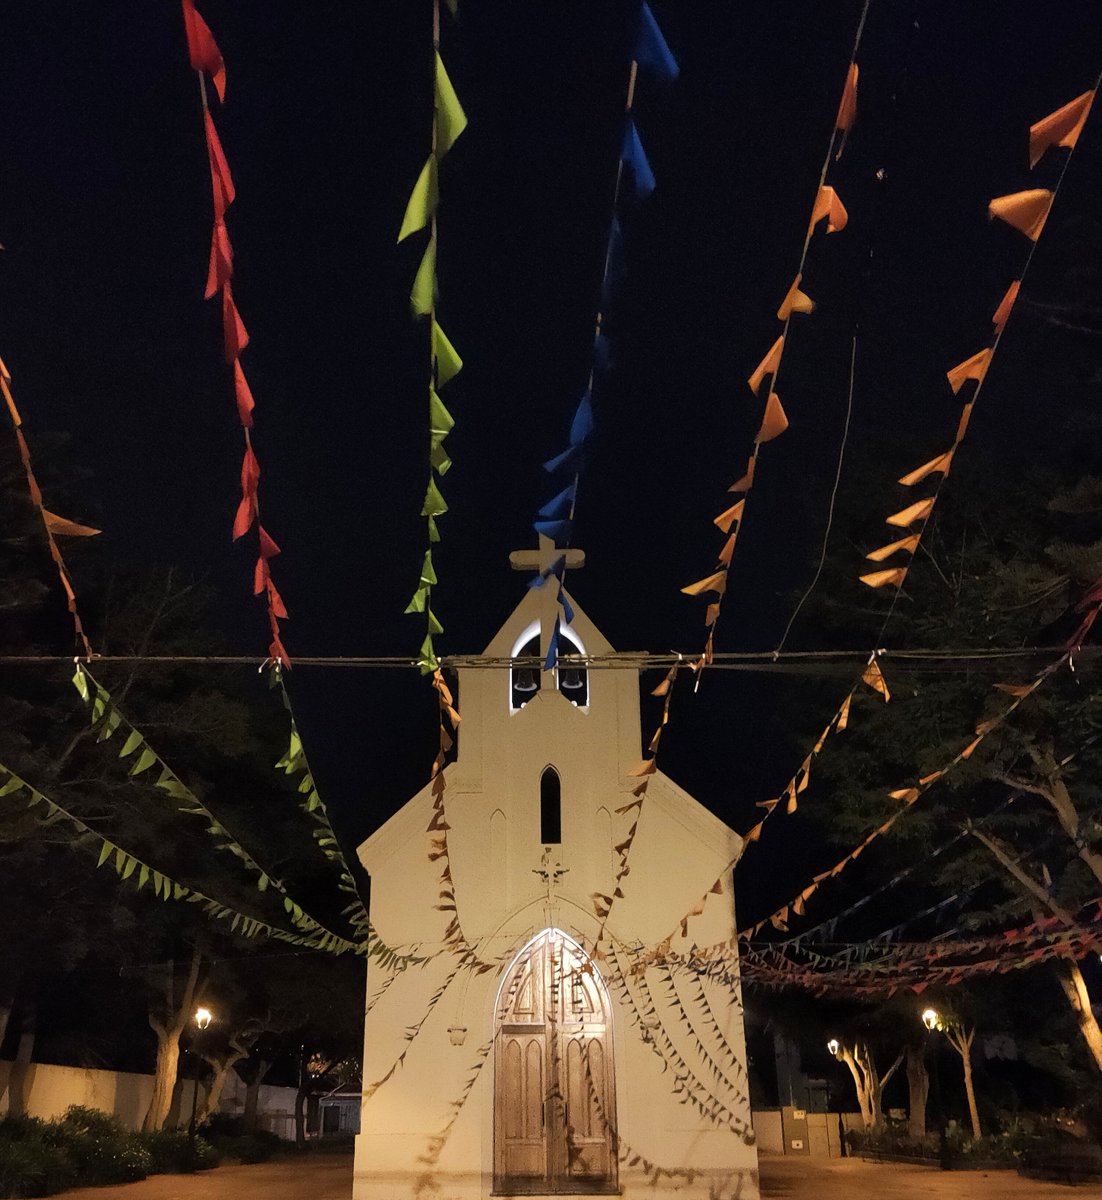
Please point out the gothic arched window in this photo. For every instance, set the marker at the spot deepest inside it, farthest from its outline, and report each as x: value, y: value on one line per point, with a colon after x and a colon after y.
x: 550, y: 807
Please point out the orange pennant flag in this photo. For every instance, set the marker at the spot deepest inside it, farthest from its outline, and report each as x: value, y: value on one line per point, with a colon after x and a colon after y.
x: 711, y: 583
x: 747, y: 481
x: 1059, y: 128
x: 936, y: 466
x: 711, y: 614
x: 972, y: 368
x: 919, y: 511
x: 646, y: 767
x: 1002, y: 313
x: 1015, y: 689
x: 774, y: 423
x: 894, y: 575
x: 965, y: 417
x: 969, y: 750
x: 843, y: 713
x: 907, y: 795
x: 910, y: 544
x: 847, y: 109
x: 1027, y: 211
x: 726, y: 519
x: 795, y: 301
x: 828, y: 205
x: 767, y: 366
x: 754, y: 834
x: 874, y: 677
x: 728, y: 549
x: 60, y: 527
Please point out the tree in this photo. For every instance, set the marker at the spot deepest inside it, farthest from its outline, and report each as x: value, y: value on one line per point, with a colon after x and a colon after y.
x: 857, y: 1054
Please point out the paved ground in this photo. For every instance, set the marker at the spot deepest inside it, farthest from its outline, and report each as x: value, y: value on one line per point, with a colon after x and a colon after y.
x: 329, y: 1177
x: 851, y: 1179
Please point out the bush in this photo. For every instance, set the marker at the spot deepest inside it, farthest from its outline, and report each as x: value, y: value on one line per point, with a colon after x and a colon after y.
x: 255, y: 1147
x: 101, y: 1151
x: 29, y: 1166
x: 171, y: 1153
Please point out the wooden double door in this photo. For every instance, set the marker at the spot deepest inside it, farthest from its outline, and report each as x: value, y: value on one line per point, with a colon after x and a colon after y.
x: 554, y: 1088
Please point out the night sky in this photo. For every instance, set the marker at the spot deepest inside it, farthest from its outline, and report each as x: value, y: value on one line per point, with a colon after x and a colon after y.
x: 105, y: 218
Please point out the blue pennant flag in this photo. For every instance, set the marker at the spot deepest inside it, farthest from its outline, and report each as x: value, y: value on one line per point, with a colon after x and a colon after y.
x: 635, y: 158
x: 552, y: 529
x: 560, y: 460
x: 582, y: 425
x: 556, y: 568
x: 652, y: 50
x: 614, y: 265
x: 567, y: 608
x: 552, y: 648
x: 558, y: 506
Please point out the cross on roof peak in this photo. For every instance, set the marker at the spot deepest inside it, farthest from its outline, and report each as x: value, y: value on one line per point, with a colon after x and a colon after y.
x: 545, y: 556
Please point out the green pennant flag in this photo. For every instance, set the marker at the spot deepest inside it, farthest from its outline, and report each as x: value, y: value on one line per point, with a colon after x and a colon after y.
x: 434, y: 505
x: 427, y: 661
x: 447, y: 361
x: 428, y: 574
x: 434, y: 624
x: 417, y: 604
x: 13, y: 785
x: 434, y: 533
x: 81, y: 683
x: 145, y: 760
x: 105, y: 853
x: 451, y: 120
x: 441, y: 422
x: 422, y: 297
x: 422, y: 200
x: 133, y: 741
x: 441, y: 463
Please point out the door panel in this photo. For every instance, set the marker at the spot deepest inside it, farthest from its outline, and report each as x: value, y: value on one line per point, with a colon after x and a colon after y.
x: 554, y: 1092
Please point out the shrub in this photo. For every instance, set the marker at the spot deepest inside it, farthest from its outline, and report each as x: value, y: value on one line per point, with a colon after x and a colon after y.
x: 29, y: 1166
x: 100, y: 1149
x: 171, y: 1152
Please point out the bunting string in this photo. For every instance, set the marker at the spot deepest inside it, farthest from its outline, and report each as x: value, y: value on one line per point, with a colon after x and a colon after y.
x: 827, y: 212
x: 448, y: 123
x: 53, y: 526
x: 555, y: 520
x: 206, y: 60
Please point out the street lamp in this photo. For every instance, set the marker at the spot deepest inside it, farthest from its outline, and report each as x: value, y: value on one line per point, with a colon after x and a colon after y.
x: 834, y: 1046
x: 203, y: 1018
x: 931, y: 1018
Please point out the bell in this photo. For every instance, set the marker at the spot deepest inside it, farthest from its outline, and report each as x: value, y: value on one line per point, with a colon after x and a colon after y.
x: 572, y: 678
x: 524, y: 680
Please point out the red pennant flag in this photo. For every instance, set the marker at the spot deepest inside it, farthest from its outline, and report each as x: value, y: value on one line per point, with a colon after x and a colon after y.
x: 268, y: 546
x: 234, y: 333
x: 220, y: 178
x: 275, y: 601
x: 250, y: 481
x: 220, y: 267
x: 203, y: 50
x: 243, y: 395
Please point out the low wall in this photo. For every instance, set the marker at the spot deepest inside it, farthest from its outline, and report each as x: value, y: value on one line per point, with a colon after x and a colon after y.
x: 45, y: 1090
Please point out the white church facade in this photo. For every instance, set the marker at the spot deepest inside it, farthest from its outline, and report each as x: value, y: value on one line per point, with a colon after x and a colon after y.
x: 527, y: 1048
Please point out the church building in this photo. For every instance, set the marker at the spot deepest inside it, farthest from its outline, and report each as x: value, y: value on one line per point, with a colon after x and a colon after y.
x: 522, y: 1035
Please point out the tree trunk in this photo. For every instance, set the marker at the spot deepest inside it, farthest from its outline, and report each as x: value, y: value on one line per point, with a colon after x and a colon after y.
x: 918, y: 1087
x: 868, y: 1084
x: 970, y: 1091
x: 252, y: 1094
x: 5, y: 1015
x: 1075, y: 988
x: 164, y: 1080
x: 24, y: 1053
x: 169, y: 1031
x: 300, y: 1116
x: 220, y: 1072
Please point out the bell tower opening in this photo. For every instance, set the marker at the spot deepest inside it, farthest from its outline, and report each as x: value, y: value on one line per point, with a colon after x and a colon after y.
x: 524, y: 681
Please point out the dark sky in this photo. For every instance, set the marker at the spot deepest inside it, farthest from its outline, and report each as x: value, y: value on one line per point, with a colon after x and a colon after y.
x: 105, y: 216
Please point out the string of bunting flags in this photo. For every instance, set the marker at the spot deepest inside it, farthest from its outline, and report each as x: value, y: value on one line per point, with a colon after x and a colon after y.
x: 829, y: 214
x: 206, y: 60
x: 53, y: 526
x: 448, y: 123
x: 555, y: 519
x: 1027, y: 211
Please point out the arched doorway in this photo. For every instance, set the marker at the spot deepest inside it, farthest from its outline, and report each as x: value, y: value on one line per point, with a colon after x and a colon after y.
x: 554, y: 1087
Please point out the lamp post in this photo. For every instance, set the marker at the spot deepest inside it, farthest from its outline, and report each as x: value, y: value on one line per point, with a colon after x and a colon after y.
x: 834, y: 1047
x: 931, y: 1018
x: 203, y: 1018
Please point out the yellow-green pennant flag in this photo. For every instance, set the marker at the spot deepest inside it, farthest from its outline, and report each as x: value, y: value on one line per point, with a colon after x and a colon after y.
x: 422, y: 200
x: 434, y: 505
x: 440, y: 420
x: 434, y: 624
x: 447, y: 361
x: 439, y: 459
x: 434, y: 533
x: 428, y: 573
x: 427, y: 660
x: 451, y: 120
x: 422, y: 297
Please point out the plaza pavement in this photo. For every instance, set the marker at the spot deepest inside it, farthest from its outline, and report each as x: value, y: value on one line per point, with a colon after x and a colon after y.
x: 329, y: 1177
